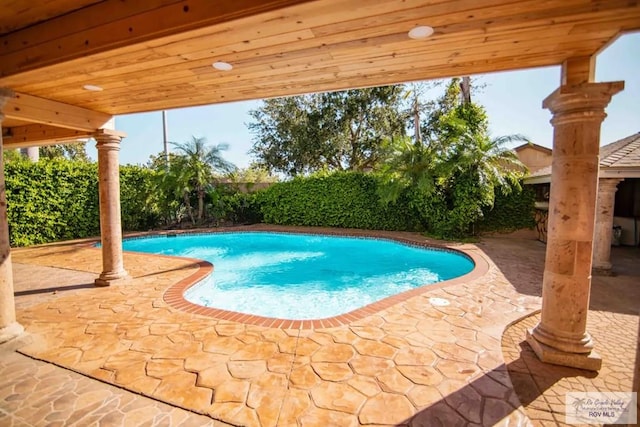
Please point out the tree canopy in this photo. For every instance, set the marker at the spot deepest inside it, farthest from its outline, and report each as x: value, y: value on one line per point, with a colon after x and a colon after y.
x: 456, y: 170
x: 334, y: 130
x: 190, y: 172
x: 71, y: 151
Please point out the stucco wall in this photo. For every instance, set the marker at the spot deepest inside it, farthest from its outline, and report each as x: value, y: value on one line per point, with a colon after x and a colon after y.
x: 533, y: 158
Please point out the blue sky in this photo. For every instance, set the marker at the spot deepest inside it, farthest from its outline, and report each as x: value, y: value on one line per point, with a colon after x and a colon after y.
x: 513, y: 101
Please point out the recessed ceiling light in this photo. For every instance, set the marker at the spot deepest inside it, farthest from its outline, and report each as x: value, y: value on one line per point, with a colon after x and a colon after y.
x: 92, y: 88
x: 222, y: 66
x: 420, y: 32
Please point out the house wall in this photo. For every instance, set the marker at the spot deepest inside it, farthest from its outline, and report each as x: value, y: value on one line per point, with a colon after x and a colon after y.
x: 534, y: 158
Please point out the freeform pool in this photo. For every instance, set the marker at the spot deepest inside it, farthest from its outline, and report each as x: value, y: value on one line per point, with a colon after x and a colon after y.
x: 303, y: 276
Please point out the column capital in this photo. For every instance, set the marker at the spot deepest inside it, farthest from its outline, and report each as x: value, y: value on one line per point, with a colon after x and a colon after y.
x: 609, y: 184
x: 583, y: 102
x: 107, y: 139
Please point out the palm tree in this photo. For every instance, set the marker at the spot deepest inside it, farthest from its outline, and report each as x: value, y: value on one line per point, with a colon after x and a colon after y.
x: 408, y: 164
x: 487, y: 160
x: 454, y: 175
x: 196, y: 167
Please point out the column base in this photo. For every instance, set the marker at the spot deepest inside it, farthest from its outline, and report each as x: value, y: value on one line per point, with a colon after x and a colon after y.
x: 10, y: 332
x: 589, y: 361
x: 602, y: 271
x: 111, y: 278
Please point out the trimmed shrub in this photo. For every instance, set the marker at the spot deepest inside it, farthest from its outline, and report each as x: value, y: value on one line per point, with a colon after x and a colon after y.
x: 58, y: 200
x: 51, y: 200
x: 510, y: 212
x: 344, y: 199
x: 138, y: 198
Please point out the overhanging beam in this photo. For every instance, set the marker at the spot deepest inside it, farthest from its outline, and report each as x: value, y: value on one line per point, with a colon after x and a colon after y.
x: 39, y: 110
x: 113, y: 24
x: 38, y: 135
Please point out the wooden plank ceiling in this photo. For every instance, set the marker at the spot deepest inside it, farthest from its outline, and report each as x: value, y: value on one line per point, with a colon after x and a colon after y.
x: 158, y: 54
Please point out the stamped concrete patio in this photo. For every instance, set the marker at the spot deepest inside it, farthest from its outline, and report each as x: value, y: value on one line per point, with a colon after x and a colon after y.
x: 413, y: 363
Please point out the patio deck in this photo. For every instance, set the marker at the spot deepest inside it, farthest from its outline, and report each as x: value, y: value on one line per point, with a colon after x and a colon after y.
x: 412, y: 363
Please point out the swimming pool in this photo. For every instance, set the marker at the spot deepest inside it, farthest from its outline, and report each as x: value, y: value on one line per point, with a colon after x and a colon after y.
x: 303, y: 276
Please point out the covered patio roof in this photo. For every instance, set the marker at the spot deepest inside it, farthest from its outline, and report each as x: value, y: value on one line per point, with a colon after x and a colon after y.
x: 158, y: 54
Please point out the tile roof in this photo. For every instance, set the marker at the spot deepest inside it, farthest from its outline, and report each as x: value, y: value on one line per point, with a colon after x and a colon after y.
x: 624, y: 153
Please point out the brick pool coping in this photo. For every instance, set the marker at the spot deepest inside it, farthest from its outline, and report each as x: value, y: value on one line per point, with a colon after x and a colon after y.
x: 174, y: 295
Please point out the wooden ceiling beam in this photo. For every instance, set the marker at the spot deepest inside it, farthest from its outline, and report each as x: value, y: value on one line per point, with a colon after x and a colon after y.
x: 113, y: 24
x: 38, y: 135
x: 39, y: 110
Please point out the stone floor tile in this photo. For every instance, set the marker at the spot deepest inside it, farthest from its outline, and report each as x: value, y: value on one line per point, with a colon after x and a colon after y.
x: 245, y: 369
x: 295, y: 403
x: 159, y: 368
x: 374, y: 348
x: 365, y: 385
x: 386, y: 408
x: 369, y: 365
x: 422, y: 396
x: 318, y: 417
x: 255, y: 351
x: 333, y: 353
x: 415, y: 356
x: 392, y: 381
x: 424, y: 375
x: 211, y: 377
x: 332, y: 371
x: 231, y: 391
x: 337, y: 397
x: 303, y: 376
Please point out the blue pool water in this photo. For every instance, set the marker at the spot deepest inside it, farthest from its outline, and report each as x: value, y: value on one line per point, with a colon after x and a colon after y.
x: 300, y: 276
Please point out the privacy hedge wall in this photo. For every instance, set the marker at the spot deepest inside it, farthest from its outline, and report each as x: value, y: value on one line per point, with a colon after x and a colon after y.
x: 510, y: 212
x: 58, y: 200
x: 51, y: 200
x: 345, y: 199
x: 351, y: 200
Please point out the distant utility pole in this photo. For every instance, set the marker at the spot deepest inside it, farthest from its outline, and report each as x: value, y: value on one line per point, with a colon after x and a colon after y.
x: 465, y: 90
x: 165, y: 139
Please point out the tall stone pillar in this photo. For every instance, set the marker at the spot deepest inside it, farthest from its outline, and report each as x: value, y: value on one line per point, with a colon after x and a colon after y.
x: 9, y: 328
x: 607, y: 188
x: 108, y: 145
x: 561, y: 337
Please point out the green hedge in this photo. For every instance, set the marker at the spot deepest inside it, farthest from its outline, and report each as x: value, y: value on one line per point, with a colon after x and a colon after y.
x: 510, y: 212
x: 345, y: 199
x: 51, y: 200
x: 138, y: 198
x: 58, y: 200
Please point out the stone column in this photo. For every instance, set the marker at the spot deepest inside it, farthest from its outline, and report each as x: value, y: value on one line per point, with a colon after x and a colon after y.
x: 561, y: 337
x: 9, y: 328
x: 108, y: 145
x: 607, y: 188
